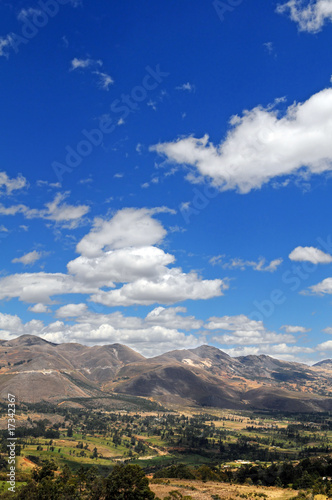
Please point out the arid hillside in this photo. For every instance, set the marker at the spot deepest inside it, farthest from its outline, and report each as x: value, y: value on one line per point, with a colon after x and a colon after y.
x: 37, y: 370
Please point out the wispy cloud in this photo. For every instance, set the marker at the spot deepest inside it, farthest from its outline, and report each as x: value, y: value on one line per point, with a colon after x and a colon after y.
x: 32, y: 19
x: 269, y: 47
x: 29, y: 258
x: 85, y: 63
x: 57, y: 211
x: 41, y: 183
x: 152, y: 104
x: 105, y: 80
x: 88, y: 180
x: 189, y: 87
x: 295, y: 329
x: 8, y: 185
x: 309, y: 16
x: 5, y: 44
x: 236, y: 263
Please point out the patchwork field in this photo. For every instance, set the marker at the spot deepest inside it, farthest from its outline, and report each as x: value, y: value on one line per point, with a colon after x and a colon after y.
x: 196, y: 453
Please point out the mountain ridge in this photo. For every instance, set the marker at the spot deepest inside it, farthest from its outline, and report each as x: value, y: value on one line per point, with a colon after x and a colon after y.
x: 203, y: 376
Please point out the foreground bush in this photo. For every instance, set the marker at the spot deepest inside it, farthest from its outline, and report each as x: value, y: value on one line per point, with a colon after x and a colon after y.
x: 125, y: 482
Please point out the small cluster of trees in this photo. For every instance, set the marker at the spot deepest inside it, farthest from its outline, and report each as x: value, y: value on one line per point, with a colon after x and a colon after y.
x: 125, y: 482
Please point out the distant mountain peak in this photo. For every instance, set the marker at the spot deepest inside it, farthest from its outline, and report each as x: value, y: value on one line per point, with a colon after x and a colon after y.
x: 29, y: 340
x: 204, y: 375
x: 324, y: 362
x: 209, y: 350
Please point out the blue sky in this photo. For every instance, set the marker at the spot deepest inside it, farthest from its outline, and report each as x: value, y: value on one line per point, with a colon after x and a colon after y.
x: 166, y: 174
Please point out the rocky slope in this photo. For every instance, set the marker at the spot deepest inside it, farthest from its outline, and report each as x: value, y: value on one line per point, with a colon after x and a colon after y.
x: 36, y: 370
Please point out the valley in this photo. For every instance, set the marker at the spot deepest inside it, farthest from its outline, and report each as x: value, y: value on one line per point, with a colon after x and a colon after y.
x: 198, y: 423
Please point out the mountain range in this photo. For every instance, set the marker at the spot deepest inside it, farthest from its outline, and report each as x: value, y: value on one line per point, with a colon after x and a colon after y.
x: 36, y: 370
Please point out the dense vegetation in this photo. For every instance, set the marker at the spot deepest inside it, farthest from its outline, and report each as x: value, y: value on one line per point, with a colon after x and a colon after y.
x: 123, y: 483
x: 235, y: 447
x: 128, y: 482
x: 311, y: 475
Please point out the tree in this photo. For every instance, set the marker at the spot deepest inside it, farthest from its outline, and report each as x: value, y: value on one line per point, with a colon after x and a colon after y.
x: 140, y: 448
x: 128, y: 482
x: 47, y: 471
x: 305, y: 481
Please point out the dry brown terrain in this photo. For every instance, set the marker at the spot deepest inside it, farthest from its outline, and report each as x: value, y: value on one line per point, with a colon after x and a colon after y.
x: 36, y: 370
x: 200, y: 490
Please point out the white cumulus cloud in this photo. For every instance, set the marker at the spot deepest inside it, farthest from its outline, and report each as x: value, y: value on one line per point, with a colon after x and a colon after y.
x: 149, y: 338
x: 244, y: 331
x: 129, y: 227
x: 120, y: 252
x: 40, y: 287
x: 72, y: 310
x: 39, y: 309
x: 325, y: 346
x: 171, y: 318
x: 324, y: 287
x: 172, y: 286
x: 310, y: 254
x: 261, y: 145
x: 122, y: 265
